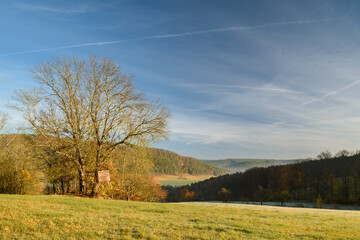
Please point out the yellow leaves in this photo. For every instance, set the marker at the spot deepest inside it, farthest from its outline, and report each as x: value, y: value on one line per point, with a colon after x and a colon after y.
x: 26, y: 176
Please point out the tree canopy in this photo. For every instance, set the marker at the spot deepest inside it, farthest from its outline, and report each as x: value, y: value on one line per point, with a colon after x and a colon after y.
x: 90, y: 103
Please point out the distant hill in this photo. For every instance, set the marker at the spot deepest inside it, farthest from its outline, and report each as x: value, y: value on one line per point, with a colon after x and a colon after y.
x: 242, y: 164
x: 167, y: 162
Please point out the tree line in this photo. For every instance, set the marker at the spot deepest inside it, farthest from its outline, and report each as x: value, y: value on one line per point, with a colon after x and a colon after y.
x: 328, y: 179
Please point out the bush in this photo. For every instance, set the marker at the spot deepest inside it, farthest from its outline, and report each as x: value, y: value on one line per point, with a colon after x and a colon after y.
x: 18, y: 173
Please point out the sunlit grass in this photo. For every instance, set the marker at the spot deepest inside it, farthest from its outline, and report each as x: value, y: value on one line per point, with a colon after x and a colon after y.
x: 50, y: 217
x: 177, y: 183
x: 185, y: 179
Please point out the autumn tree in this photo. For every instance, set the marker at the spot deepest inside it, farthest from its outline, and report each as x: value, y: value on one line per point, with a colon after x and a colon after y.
x: 131, y: 175
x: 224, y: 195
x: 118, y: 112
x: 58, y: 168
x: 90, y: 103
x: 17, y: 168
x: 186, y: 195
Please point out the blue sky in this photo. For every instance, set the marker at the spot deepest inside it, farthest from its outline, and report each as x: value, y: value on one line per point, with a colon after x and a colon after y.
x: 259, y: 79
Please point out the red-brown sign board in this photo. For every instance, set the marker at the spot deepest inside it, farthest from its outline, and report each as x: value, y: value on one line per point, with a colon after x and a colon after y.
x: 104, y: 176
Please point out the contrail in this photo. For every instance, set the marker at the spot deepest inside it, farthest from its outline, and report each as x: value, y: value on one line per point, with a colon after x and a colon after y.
x: 64, y: 47
x: 173, y: 35
x: 265, y: 89
x: 330, y: 93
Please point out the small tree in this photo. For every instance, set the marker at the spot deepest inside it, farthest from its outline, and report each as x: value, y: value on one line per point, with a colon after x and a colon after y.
x: 319, y: 202
x: 261, y: 194
x: 186, y: 194
x: 324, y: 155
x: 224, y: 195
x: 342, y: 153
x: 283, y: 196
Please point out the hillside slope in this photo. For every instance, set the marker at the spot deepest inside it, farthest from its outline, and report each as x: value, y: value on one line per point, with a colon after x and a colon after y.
x: 242, y: 164
x: 167, y: 162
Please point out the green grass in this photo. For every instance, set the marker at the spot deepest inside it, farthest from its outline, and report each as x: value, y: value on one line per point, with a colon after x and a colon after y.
x: 51, y: 217
x: 177, y: 183
x: 180, y: 180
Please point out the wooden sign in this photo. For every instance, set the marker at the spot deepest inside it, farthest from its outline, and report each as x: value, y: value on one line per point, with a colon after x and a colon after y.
x: 104, y: 176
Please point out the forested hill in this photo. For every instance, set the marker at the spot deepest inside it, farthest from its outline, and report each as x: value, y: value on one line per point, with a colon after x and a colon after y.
x: 163, y: 161
x: 242, y: 164
x: 329, y: 180
x: 167, y: 162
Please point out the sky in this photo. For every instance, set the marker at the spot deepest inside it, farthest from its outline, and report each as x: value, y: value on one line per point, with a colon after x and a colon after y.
x: 243, y: 79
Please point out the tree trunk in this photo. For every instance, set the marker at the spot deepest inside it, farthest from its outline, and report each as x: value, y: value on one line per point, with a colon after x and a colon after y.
x: 82, y: 179
x: 68, y: 187
x: 62, y: 186
x: 96, y: 175
x: 96, y: 183
x: 81, y: 171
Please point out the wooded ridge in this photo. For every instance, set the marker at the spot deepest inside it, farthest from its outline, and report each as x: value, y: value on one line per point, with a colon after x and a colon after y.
x: 242, y: 164
x: 324, y: 180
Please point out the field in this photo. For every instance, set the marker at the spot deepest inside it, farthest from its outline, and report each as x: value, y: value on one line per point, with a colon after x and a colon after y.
x: 52, y: 217
x: 185, y: 179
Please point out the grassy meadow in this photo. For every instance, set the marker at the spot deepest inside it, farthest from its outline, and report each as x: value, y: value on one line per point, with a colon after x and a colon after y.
x: 53, y: 217
x: 180, y: 180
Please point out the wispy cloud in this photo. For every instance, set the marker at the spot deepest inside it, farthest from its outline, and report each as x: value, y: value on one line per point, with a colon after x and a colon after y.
x: 256, y: 88
x: 330, y: 93
x: 173, y: 35
x: 32, y: 7
x: 258, y: 140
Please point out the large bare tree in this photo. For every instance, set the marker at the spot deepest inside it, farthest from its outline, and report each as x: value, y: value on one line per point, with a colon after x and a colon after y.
x: 90, y: 102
